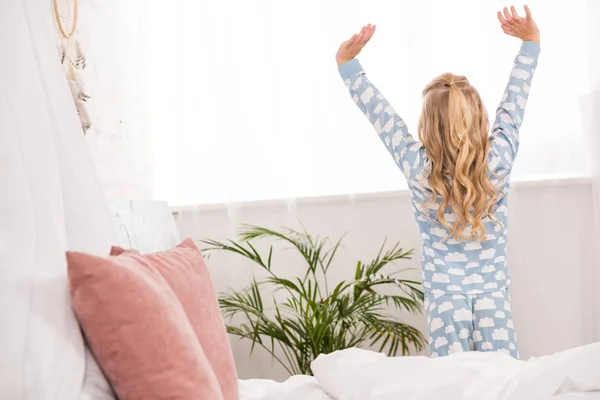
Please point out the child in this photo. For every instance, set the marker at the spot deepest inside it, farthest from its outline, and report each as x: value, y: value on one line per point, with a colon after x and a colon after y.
x: 458, y: 175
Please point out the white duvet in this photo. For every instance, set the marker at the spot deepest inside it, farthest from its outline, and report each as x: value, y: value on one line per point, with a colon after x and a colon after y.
x: 355, y: 374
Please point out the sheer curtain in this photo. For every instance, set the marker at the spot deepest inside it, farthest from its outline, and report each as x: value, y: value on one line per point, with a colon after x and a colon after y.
x: 50, y: 203
x: 244, y: 103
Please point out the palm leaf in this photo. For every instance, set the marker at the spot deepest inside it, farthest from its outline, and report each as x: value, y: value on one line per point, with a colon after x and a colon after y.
x: 311, y: 320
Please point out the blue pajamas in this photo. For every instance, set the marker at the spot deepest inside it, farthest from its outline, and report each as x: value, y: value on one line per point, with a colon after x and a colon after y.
x: 478, y: 322
x: 466, y: 282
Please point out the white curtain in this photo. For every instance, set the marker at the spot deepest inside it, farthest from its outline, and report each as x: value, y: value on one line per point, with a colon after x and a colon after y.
x: 50, y: 203
x: 244, y: 101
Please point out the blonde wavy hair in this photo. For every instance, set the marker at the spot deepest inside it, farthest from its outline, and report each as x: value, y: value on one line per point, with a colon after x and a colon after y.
x: 454, y: 129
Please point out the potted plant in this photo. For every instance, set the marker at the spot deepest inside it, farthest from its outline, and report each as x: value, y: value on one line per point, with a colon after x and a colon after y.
x: 318, y: 316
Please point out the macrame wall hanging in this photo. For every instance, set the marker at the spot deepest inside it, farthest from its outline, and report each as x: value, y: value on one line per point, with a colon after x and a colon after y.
x: 73, y: 62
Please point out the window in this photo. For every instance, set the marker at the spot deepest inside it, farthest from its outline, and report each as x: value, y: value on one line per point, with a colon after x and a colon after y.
x: 244, y: 101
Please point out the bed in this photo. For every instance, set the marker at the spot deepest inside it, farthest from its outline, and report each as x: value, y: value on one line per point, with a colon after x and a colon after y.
x: 355, y: 374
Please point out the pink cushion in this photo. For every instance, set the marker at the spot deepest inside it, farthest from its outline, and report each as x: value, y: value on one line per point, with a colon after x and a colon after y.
x: 117, y: 251
x: 148, y: 318
x: 191, y: 281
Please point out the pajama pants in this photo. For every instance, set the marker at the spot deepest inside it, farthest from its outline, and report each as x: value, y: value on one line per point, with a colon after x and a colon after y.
x: 463, y: 322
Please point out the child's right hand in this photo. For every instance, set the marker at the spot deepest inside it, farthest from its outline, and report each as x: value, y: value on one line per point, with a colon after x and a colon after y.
x: 522, y: 28
x: 353, y: 46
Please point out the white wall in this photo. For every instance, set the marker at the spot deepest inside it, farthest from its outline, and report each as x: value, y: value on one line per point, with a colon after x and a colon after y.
x: 550, y: 255
x: 593, y: 105
x: 110, y: 35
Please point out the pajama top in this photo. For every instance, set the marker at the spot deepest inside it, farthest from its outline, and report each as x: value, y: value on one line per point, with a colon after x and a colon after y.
x: 450, y: 266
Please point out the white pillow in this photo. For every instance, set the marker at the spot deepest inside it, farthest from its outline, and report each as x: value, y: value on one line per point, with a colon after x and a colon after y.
x: 95, y: 385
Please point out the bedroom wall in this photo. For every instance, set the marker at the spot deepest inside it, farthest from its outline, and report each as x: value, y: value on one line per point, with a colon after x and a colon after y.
x: 550, y: 256
x: 110, y: 35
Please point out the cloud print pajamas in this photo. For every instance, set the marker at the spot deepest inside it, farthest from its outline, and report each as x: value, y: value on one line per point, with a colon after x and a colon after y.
x: 466, y: 283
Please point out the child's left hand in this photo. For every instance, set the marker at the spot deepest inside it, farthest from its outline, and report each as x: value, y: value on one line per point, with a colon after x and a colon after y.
x: 350, y: 48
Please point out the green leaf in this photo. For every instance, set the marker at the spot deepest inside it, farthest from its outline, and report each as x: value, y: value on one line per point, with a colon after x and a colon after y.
x: 310, y: 320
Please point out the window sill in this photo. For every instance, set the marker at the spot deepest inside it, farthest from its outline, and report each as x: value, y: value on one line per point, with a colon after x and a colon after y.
x: 517, y: 185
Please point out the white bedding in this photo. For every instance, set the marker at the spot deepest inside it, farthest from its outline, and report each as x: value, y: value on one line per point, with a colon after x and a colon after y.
x: 299, y: 387
x: 355, y: 374
x: 578, y: 396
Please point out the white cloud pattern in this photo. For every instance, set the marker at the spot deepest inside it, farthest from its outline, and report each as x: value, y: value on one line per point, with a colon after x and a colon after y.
x: 485, y: 304
x: 487, y: 254
x: 445, y: 306
x: 500, y: 334
x: 438, y: 232
x: 440, y: 278
x: 439, y: 246
x: 456, y: 271
x: 456, y: 257
x: 472, y: 279
x: 440, y: 341
x: 367, y: 95
x: 455, y: 347
x: 435, y: 324
x: 462, y: 315
x: 486, y: 322
x: 487, y: 346
x: 520, y: 74
x: 472, y: 246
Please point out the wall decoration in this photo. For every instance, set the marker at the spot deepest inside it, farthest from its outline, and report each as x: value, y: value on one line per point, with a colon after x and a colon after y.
x: 73, y: 60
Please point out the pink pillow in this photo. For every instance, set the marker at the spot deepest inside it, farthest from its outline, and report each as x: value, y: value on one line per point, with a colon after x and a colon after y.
x: 186, y: 272
x: 138, y: 329
x: 191, y: 281
x: 117, y: 251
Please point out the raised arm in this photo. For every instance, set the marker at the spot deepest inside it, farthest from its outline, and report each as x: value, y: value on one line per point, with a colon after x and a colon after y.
x: 510, y: 112
x: 387, y: 123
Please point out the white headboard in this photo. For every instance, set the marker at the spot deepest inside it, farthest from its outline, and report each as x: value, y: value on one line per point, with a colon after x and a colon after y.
x: 147, y: 226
